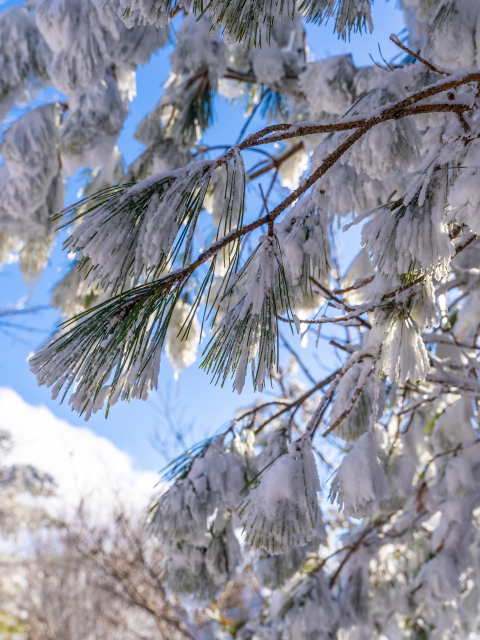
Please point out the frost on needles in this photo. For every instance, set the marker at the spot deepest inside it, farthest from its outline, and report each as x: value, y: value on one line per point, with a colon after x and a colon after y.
x: 360, y: 484
x: 248, y: 334
x: 283, y: 510
x: 375, y: 404
x: 130, y: 231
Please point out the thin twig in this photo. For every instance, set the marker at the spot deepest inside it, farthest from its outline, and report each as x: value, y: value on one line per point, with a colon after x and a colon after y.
x: 276, y: 162
x: 298, y: 359
x: 251, y: 116
x: 355, y: 286
x: 357, y: 544
x: 354, y: 315
x: 299, y: 401
x: 331, y: 296
x: 400, y: 44
x: 28, y: 310
x: 453, y: 452
x: 337, y: 345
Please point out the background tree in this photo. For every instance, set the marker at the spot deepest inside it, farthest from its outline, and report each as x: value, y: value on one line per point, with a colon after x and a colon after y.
x: 20, y: 514
x: 78, y: 575
x: 87, y: 580
x: 390, y: 147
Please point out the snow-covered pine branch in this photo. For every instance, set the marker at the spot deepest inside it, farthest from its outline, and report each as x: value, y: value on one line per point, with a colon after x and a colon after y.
x: 134, y: 231
x: 116, y: 241
x: 248, y: 334
x: 283, y: 510
x: 112, y: 353
x: 245, y: 21
x: 390, y: 431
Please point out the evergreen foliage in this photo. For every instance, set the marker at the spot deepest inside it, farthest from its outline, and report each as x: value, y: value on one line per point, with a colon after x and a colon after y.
x: 386, y: 545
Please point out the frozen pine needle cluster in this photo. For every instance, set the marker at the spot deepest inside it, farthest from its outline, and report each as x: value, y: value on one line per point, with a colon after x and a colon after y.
x: 283, y: 510
x: 248, y: 334
x: 344, y: 502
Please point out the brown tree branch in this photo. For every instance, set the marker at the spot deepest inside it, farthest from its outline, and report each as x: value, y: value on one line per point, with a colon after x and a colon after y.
x: 299, y: 401
x: 276, y: 162
x: 354, y: 287
x: 358, y: 542
x: 400, y: 44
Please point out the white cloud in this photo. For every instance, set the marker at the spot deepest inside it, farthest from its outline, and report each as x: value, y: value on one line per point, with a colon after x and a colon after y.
x: 84, y: 465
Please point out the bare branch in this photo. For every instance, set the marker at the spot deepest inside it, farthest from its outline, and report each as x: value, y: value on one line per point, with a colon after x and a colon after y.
x: 400, y: 44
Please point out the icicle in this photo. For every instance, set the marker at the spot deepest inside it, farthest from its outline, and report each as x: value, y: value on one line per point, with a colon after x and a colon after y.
x: 424, y: 309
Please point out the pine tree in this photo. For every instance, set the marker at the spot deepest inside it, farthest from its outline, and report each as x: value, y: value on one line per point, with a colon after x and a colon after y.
x: 386, y: 546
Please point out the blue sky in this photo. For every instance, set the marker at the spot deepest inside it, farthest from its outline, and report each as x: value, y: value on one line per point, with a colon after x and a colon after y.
x: 131, y: 425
